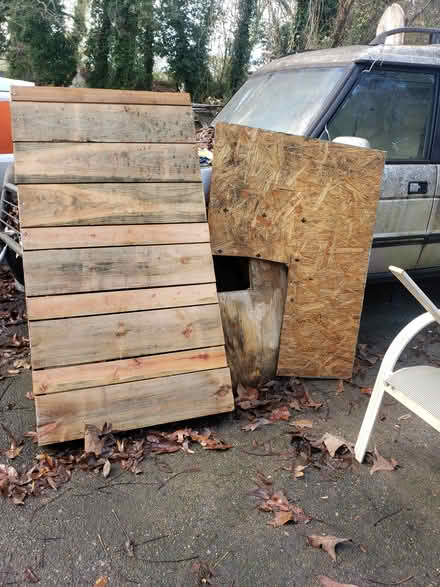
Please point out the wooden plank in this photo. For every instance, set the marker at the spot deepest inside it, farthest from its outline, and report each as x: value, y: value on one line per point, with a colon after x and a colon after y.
x: 102, y: 123
x: 116, y: 203
x: 93, y: 96
x: 125, y: 370
x: 105, y: 162
x: 312, y: 205
x: 252, y: 323
x: 91, y: 339
x: 112, y: 302
x: 72, y: 237
x: 112, y: 268
x: 62, y: 416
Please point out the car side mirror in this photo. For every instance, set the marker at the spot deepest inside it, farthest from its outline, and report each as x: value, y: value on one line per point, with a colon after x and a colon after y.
x: 353, y: 141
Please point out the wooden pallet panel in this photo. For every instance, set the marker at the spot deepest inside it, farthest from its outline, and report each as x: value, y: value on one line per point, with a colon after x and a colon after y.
x: 62, y: 416
x: 116, y: 336
x: 112, y: 302
x: 125, y: 325
x: 124, y: 370
x: 102, y: 123
x: 74, y: 237
x: 311, y: 205
x: 103, y: 162
x: 116, y: 203
x: 107, y: 268
x: 92, y: 96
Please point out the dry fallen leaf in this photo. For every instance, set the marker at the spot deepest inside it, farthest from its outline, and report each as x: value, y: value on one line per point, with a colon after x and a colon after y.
x: 280, y: 519
x: 256, y: 424
x: 334, y: 443
x: 30, y: 576
x: 382, y: 464
x: 340, y: 388
x: 367, y: 390
x: 327, y: 582
x: 298, y: 471
x: 280, y: 414
x: 30, y: 395
x: 106, y: 468
x: 92, y: 442
x: 302, y: 423
x: 101, y: 581
x: 327, y: 543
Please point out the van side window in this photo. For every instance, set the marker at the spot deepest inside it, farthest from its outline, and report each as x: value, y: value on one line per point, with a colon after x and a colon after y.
x: 391, y: 109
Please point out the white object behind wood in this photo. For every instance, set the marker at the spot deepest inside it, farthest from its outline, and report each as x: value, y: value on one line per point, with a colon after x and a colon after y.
x: 392, y: 18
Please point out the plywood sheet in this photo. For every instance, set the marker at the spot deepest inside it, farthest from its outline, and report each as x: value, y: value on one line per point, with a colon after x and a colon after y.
x: 109, y: 268
x: 104, y: 162
x: 92, y: 96
x: 102, y: 123
x: 62, y: 416
x: 115, y: 203
x: 125, y: 324
x: 312, y: 205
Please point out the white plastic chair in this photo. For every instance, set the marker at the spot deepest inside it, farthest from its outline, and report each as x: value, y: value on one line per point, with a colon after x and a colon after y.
x: 417, y: 388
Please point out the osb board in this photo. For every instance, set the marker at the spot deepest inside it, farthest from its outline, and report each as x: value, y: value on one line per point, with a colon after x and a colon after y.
x: 312, y: 205
x: 125, y: 324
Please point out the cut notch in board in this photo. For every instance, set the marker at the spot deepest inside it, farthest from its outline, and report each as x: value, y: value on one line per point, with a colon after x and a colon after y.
x: 90, y: 375
x: 92, y: 96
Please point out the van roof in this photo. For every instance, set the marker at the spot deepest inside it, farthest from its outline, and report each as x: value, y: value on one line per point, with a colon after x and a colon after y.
x: 403, y: 54
x: 6, y: 83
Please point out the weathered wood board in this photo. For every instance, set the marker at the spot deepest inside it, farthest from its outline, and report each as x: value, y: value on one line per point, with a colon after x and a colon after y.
x: 124, y: 319
x: 311, y: 205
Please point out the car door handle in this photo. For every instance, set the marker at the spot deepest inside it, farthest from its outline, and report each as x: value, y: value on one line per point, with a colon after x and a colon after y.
x: 417, y: 187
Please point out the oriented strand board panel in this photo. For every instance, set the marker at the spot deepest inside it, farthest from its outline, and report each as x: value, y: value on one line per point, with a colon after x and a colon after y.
x: 309, y: 204
x: 124, y: 319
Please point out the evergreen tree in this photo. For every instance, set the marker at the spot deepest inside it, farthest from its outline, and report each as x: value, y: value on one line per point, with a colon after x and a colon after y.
x: 40, y: 49
x: 98, y: 45
x: 241, y: 48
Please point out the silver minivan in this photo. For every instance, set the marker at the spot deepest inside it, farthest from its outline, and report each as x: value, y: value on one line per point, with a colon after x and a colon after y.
x: 387, y: 95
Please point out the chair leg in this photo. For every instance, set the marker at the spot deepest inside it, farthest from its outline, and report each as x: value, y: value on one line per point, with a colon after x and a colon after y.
x: 369, y: 419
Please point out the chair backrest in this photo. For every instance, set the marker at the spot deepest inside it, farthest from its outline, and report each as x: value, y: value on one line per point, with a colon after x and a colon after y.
x: 415, y: 290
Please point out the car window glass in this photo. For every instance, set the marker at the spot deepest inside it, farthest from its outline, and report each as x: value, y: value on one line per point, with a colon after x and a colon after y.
x: 391, y: 109
x: 284, y: 101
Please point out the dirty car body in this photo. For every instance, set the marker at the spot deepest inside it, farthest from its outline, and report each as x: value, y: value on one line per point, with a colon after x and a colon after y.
x: 386, y: 94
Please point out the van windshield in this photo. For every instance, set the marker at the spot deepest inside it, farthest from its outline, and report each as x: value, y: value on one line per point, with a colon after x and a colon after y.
x: 284, y: 101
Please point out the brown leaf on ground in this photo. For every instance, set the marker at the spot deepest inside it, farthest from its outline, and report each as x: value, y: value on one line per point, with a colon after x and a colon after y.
x: 255, y: 424
x: 281, y: 518
x: 299, y: 516
x: 281, y: 413
x: 327, y: 582
x: 263, y: 480
x: 247, y: 397
x: 298, y: 471
x: 29, y: 576
x: 92, y: 442
x: 382, y: 464
x: 307, y: 402
x: 295, y: 405
x: 14, y: 451
x: 327, y: 543
x: 367, y: 390
x: 334, y: 443
x: 302, y: 423
x: 208, y: 440
x: 101, y: 581
x: 32, y: 434
x: 106, y: 468
x: 340, y: 388
x: 30, y: 395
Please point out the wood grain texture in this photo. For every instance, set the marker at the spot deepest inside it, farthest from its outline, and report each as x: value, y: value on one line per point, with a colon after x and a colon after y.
x: 62, y: 416
x: 312, y: 205
x: 252, y: 323
x: 102, y: 123
x: 125, y: 370
x: 105, y: 162
x: 116, y: 203
x: 112, y: 302
x: 73, y: 237
x: 112, y: 268
x: 92, y: 96
x: 91, y: 339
